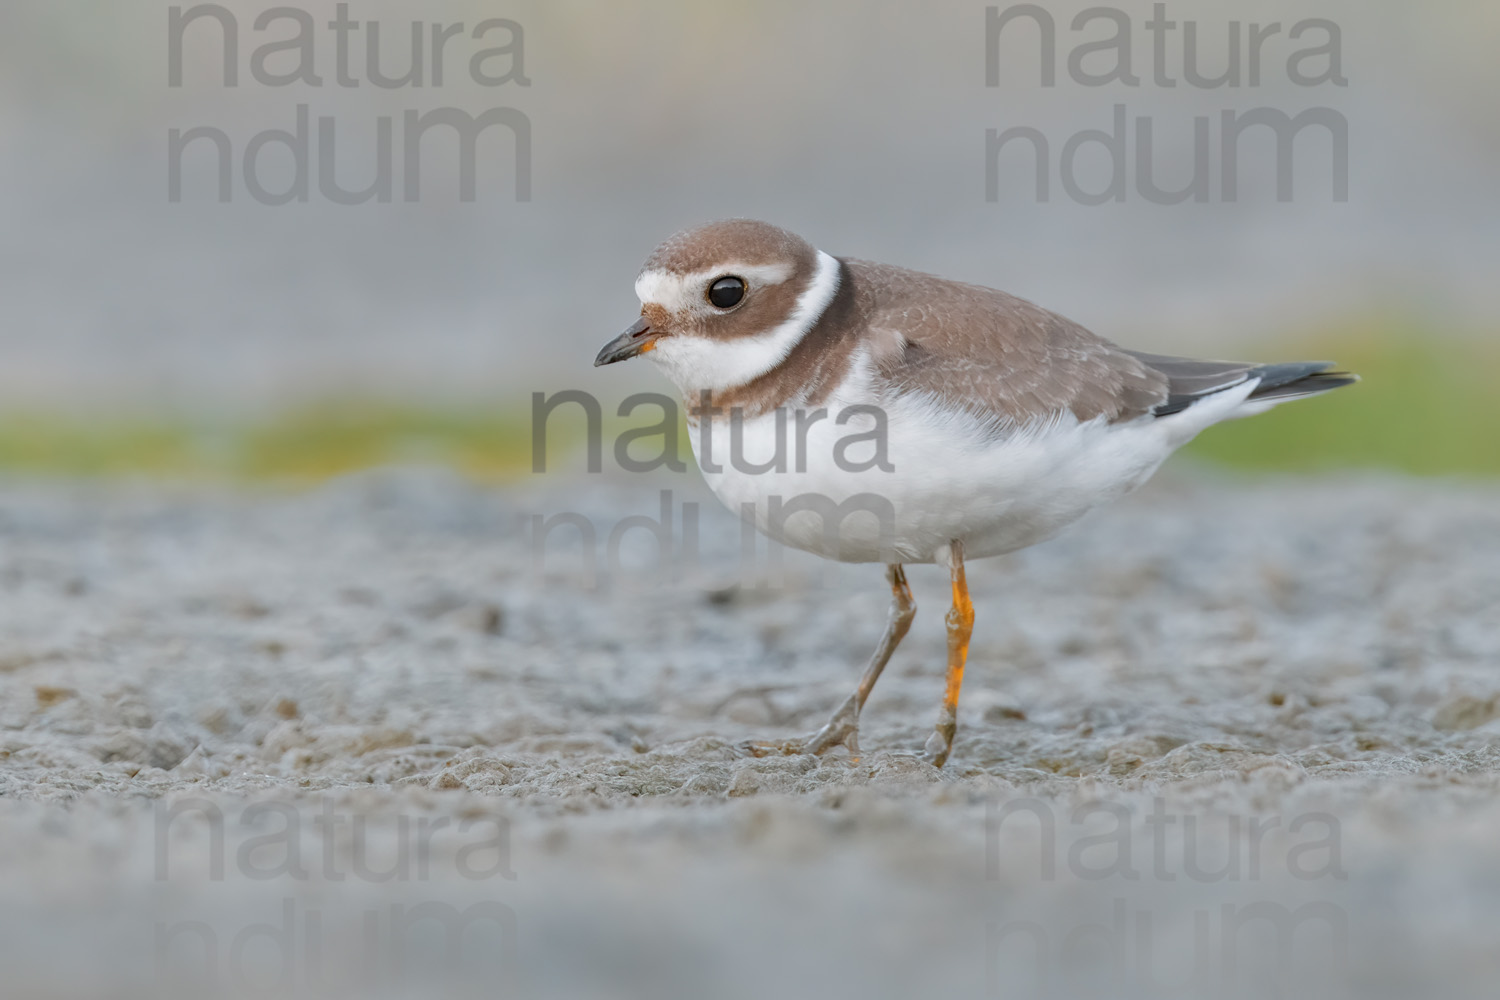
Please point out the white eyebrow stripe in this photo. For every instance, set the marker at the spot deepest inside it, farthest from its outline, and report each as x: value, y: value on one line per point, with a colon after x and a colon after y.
x: 675, y: 292
x: 696, y: 363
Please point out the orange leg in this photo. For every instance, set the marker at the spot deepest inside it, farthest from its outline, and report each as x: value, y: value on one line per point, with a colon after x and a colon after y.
x: 960, y: 622
x: 843, y: 727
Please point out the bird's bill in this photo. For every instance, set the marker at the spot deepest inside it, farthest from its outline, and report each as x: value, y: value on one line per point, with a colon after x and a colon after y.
x: 637, y: 339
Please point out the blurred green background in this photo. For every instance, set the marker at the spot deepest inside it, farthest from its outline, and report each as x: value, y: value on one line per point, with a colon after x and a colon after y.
x: 1424, y: 406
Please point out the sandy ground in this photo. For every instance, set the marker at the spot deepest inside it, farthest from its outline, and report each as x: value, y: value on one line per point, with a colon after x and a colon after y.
x: 1230, y: 738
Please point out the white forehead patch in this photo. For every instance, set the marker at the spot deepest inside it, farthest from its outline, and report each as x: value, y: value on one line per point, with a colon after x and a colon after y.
x: 683, y: 292
x: 696, y: 363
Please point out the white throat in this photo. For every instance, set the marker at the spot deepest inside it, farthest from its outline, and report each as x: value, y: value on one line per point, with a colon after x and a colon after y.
x: 697, y: 363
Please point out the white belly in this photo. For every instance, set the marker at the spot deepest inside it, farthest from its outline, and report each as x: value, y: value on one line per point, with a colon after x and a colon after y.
x: 947, y: 478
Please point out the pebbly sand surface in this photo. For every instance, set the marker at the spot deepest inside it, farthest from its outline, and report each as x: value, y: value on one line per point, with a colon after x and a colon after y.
x: 1231, y: 738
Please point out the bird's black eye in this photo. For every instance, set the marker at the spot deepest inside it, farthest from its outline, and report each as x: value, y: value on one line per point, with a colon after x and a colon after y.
x: 726, y: 292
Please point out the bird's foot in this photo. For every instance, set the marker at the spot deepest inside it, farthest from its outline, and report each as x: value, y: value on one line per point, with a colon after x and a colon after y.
x: 841, y: 730
x: 770, y: 748
x: 940, y: 743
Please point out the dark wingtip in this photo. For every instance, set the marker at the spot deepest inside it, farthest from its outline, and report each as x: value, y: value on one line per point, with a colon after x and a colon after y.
x: 1288, y: 379
x: 1305, y: 385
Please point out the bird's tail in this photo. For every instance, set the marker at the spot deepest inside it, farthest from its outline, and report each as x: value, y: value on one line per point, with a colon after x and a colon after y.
x: 1190, y: 380
x: 1296, y: 379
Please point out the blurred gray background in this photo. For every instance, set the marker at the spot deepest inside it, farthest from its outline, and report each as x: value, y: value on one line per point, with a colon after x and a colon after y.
x: 858, y: 124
